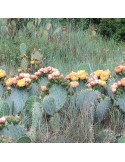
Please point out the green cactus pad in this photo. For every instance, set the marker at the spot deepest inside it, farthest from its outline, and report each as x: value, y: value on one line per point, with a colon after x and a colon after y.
x: 17, y: 99
x: 23, y: 48
x: 102, y: 108
x: 4, y: 108
x: 121, y: 102
x: 49, y: 105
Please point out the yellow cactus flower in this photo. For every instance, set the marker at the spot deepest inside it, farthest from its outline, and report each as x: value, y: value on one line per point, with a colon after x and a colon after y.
x: 74, y: 84
x: 98, y: 72
x: 54, y: 69
x: 19, y: 70
x: 74, y: 76
x: 32, y: 62
x: 107, y: 71
x: 102, y: 82
x: 104, y: 76
x: 82, y: 74
x: 2, y: 73
x: 21, y: 83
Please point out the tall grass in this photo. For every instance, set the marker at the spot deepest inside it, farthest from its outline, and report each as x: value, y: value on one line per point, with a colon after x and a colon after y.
x: 72, y: 50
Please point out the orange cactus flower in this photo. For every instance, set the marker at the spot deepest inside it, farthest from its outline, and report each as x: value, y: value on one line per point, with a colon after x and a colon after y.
x: 74, y: 84
x: 74, y: 76
x: 123, y: 82
x: 104, y: 76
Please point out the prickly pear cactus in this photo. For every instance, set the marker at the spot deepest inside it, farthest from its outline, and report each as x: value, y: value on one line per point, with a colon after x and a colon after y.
x: 1, y: 90
x: 55, y: 100
x: 49, y: 105
x: 55, y: 123
x: 121, y: 102
x: 24, y: 139
x: 85, y: 99
x: 85, y: 102
x: 37, y: 116
x: 17, y: 99
x: 23, y: 48
x: 59, y: 94
x: 35, y: 90
x: 27, y: 112
x: 4, y: 108
x: 14, y: 131
x: 38, y: 121
x: 36, y: 56
x: 81, y: 86
x: 102, y: 108
x: 24, y: 63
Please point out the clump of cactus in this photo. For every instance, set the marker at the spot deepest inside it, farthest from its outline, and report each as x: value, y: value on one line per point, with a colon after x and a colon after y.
x: 92, y: 101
